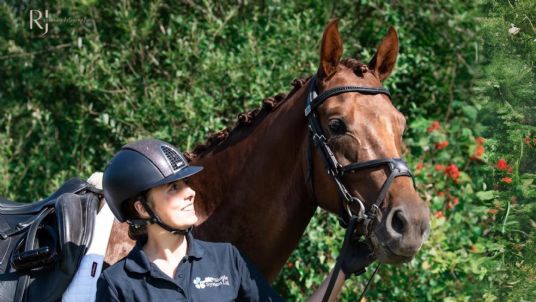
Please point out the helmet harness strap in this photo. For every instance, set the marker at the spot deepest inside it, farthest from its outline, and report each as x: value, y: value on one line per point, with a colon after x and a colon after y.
x: 155, y: 219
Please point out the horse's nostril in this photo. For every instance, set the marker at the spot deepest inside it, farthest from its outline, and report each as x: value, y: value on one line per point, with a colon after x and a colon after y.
x: 398, y: 222
x: 425, y: 227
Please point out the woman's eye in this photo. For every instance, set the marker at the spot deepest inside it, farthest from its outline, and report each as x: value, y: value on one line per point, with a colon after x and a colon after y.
x: 337, y: 127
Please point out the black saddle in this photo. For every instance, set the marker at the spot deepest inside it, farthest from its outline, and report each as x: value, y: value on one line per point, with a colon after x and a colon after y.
x: 42, y: 243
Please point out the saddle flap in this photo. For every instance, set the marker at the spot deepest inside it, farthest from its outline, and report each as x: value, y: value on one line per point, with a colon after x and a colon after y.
x: 76, y: 217
x: 69, y: 213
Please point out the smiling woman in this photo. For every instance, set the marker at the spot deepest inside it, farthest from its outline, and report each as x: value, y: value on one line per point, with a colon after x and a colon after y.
x: 174, y: 198
x: 175, y: 202
x: 145, y: 185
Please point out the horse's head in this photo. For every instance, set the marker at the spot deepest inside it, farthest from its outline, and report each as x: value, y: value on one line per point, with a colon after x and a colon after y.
x: 360, y: 127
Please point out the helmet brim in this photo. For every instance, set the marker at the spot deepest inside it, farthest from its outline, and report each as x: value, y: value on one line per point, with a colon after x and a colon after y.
x: 184, y: 173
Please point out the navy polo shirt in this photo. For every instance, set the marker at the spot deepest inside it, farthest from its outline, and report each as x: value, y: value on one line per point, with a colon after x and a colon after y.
x: 210, y: 271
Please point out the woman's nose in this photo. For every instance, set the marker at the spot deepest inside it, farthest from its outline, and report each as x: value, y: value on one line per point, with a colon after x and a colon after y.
x: 190, y: 193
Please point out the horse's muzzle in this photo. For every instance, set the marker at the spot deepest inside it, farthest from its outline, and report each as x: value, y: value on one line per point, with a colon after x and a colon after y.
x: 398, y: 237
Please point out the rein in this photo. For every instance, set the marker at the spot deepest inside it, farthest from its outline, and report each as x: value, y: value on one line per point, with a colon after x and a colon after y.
x: 348, y: 219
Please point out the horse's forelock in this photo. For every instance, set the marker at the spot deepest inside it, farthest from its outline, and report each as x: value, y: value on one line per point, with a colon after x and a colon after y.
x: 357, y: 66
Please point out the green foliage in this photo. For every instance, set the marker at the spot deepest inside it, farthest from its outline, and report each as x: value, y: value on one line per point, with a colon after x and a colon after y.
x: 178, y: 70
x: 505, y: 89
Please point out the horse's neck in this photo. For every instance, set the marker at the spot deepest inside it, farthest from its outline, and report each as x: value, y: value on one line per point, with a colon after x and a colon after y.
x: 253, y: 192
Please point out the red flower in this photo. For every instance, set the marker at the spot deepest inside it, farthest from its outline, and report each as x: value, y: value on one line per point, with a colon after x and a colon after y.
x: 502, y: 165
x: 450, y: 205
x: 439, y: 167
x: 479, y: 140
x: 419, y: 166
x: 456, y: 200
x: 290, y: 264
x: 453, y: 172
x: 509, y: 169
x: 527, y: 140
x: 441, y: 145
x: 506, y: 180
x: 439, y: 214
x: 493, y: 211
x: 478, y: 152
x: 434, y: 126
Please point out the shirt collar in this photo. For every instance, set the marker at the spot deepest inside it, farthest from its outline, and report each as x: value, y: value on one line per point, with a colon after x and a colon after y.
x: 195, y: 249
x: 138, y: 262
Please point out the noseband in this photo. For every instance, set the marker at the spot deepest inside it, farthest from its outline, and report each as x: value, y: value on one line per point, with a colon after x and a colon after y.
x: 397, y: 167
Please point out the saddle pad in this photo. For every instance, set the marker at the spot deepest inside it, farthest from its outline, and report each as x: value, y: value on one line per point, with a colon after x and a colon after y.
x: 83, y: 287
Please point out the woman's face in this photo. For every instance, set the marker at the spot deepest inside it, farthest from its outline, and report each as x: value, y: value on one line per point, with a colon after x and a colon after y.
x: 174, y: 204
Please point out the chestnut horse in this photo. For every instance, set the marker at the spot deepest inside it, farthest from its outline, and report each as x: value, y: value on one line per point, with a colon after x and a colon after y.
x: 254, y: 191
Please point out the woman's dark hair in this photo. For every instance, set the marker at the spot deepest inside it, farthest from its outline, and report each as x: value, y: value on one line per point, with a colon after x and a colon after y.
x: 135, y: 232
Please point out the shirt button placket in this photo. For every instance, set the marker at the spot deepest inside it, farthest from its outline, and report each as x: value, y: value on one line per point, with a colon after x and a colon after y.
x: 180, y: 279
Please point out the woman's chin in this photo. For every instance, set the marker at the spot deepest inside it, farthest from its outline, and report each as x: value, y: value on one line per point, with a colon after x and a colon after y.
x: 187, y: 220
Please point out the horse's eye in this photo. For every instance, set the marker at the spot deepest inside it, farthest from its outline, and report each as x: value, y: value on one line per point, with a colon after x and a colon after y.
x: 337, y: 126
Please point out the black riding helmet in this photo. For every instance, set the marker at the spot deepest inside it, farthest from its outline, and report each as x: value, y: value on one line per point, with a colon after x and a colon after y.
x: 138, y: 167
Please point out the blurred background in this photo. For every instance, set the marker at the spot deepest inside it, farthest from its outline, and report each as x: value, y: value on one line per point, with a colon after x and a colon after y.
x: 104, y: 73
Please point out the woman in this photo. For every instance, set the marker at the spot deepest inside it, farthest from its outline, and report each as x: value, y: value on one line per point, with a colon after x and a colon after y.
x: 145, y: 185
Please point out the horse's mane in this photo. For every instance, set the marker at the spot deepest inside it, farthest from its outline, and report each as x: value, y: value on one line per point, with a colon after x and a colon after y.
x: 268, y: 105
x: 245, y: 119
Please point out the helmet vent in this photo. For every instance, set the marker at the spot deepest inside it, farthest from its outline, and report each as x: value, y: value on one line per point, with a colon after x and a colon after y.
x: 173, y: 158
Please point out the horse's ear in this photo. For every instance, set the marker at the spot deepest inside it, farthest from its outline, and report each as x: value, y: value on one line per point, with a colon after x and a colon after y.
x: 384, y: 60
x: 330, y: 51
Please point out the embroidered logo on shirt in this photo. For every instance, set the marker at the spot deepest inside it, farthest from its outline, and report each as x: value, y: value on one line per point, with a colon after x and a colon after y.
x: 211, y: 281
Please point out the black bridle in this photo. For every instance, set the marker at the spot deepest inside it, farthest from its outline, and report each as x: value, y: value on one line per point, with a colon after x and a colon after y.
x: 397, y: 167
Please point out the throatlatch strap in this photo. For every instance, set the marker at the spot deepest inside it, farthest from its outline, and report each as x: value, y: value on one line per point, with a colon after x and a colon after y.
x: 309, y: 178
